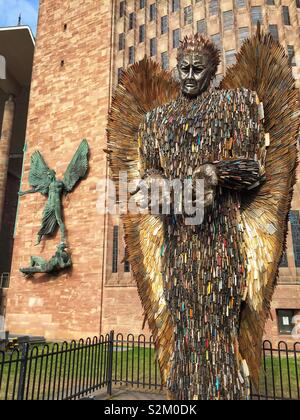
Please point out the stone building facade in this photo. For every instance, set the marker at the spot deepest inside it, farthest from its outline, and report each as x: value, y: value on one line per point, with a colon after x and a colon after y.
x: 81, y: 50
x: 16, y: 57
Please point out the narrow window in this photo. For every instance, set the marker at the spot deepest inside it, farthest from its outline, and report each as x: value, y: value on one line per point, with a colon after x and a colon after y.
x: 152, y: 12
x: 176, y: 38
x: 273, y: 29
x: 295, y: 227
x: 115, y: 249
x: 153, y: 47
x: 188, y: 15
x: 256, y: 15
x: 202, y: 27
x: 286, y: 15
x: 165, y: 60
x: 228, y: 20
x: 291, y: 54
x: 164, y: 25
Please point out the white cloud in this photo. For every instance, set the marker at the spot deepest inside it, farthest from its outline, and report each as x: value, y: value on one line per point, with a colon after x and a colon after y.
x: 11, y: 9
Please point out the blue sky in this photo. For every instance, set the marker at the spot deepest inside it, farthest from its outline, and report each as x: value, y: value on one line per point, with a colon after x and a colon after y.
x: 11, y: 9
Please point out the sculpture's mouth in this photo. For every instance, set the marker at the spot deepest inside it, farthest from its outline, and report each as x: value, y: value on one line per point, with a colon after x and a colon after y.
x: 191, y: 84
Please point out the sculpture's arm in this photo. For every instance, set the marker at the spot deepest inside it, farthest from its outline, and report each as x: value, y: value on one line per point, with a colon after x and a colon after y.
x: 150, y: 163
x: 32, y: 191
x: 239, y: 174
x: 148, y: 143
x: 246, y: 149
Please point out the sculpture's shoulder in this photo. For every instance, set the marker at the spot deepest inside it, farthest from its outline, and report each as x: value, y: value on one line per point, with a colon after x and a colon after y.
x: 240, y: 95
x: 157, y: 116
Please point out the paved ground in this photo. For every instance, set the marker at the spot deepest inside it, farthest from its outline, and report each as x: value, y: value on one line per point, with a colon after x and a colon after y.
x: 123, y: 394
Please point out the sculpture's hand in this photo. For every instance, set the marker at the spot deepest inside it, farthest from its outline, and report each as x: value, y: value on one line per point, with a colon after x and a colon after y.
x: 151, y: 192
x: 22, y: 193
x: 209, y: 174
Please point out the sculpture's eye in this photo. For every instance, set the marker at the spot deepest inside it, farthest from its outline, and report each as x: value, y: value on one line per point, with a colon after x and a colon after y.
x: 198, y: 69
x: 186, y: 69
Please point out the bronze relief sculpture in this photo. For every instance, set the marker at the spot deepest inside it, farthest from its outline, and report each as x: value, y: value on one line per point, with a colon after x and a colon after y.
x: 206, y: 289
x: 43, y: 180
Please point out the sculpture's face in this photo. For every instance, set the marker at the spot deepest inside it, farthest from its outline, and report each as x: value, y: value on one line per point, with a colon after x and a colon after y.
x: 194, y: 74
x: 52, y: 175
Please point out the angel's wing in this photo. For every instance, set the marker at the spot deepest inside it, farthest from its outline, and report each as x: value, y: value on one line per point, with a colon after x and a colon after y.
x: 39, y: 177
x: 262, y: 66
x: 144, y: 87
x: 78, y: 167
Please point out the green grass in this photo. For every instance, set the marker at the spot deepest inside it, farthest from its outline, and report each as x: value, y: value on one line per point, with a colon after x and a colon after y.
x: 84, y: 367
x: 280, y: 378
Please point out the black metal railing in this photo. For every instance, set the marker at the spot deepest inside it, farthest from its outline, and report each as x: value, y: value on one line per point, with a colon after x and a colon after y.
x: 55, y: 372
x: 77, y: 369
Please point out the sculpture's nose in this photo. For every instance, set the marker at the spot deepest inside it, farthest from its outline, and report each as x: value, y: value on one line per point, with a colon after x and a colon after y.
x: 191, y: 74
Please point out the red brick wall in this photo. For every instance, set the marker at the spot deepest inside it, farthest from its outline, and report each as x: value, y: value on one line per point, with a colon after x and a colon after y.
x: 285, y: 297
x: 67, y: 103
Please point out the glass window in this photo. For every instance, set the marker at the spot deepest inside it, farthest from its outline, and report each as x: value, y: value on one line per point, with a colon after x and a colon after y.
x: 243, y: 34
x: 273, y: 29
x: 202, y: 26
x: 230, y: 57
x: 115, y: 249
x: 213, y: 7
x: 126, y: 262
x: 228, y: 20
x: 239, y: 4
x: 122, y: 8
x: 175, y: 5
x: 291, y: 54
x: 295, y: 227
x: 131, y: 55
x: 142, y: 33
x: 121, y: 41
x: 256, y: 14
x: 153, y: 47
x: 142, y: 4
x: 286, y: 15
x: 176, y: 38
x: 285, y: 321
x: 188, y: 15
x: 131, y: 20
x: 216, y: 39
x: 152, y: 12
x: 165, y: 60
x: 164, y: 25
x: 120, y: 74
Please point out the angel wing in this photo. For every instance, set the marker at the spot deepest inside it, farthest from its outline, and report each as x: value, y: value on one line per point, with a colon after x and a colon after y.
x: 39, y: 176
x: 262, y: 66
x: 144, y: 86
x: 78, y: 167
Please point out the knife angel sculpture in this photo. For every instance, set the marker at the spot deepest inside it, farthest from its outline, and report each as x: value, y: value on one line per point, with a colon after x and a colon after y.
x: 206, y: 290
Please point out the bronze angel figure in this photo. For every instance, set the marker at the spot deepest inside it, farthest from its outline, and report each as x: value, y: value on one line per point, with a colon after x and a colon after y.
x: 206, y: 290
x: 43, y: 180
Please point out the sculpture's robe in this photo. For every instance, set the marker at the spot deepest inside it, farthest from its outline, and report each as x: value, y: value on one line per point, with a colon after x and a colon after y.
x: 204, y: 267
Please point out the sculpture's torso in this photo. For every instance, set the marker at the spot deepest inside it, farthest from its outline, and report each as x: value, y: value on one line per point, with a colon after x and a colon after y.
x: 55, y: 192
x: 204, y: 266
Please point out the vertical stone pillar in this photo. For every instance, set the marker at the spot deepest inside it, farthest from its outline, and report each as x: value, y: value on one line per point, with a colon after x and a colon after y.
x: 5, y: 141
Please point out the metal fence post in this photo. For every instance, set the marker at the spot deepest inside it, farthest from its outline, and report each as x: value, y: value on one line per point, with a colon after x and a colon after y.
x: 22, y: 379
x: 110, y: 362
